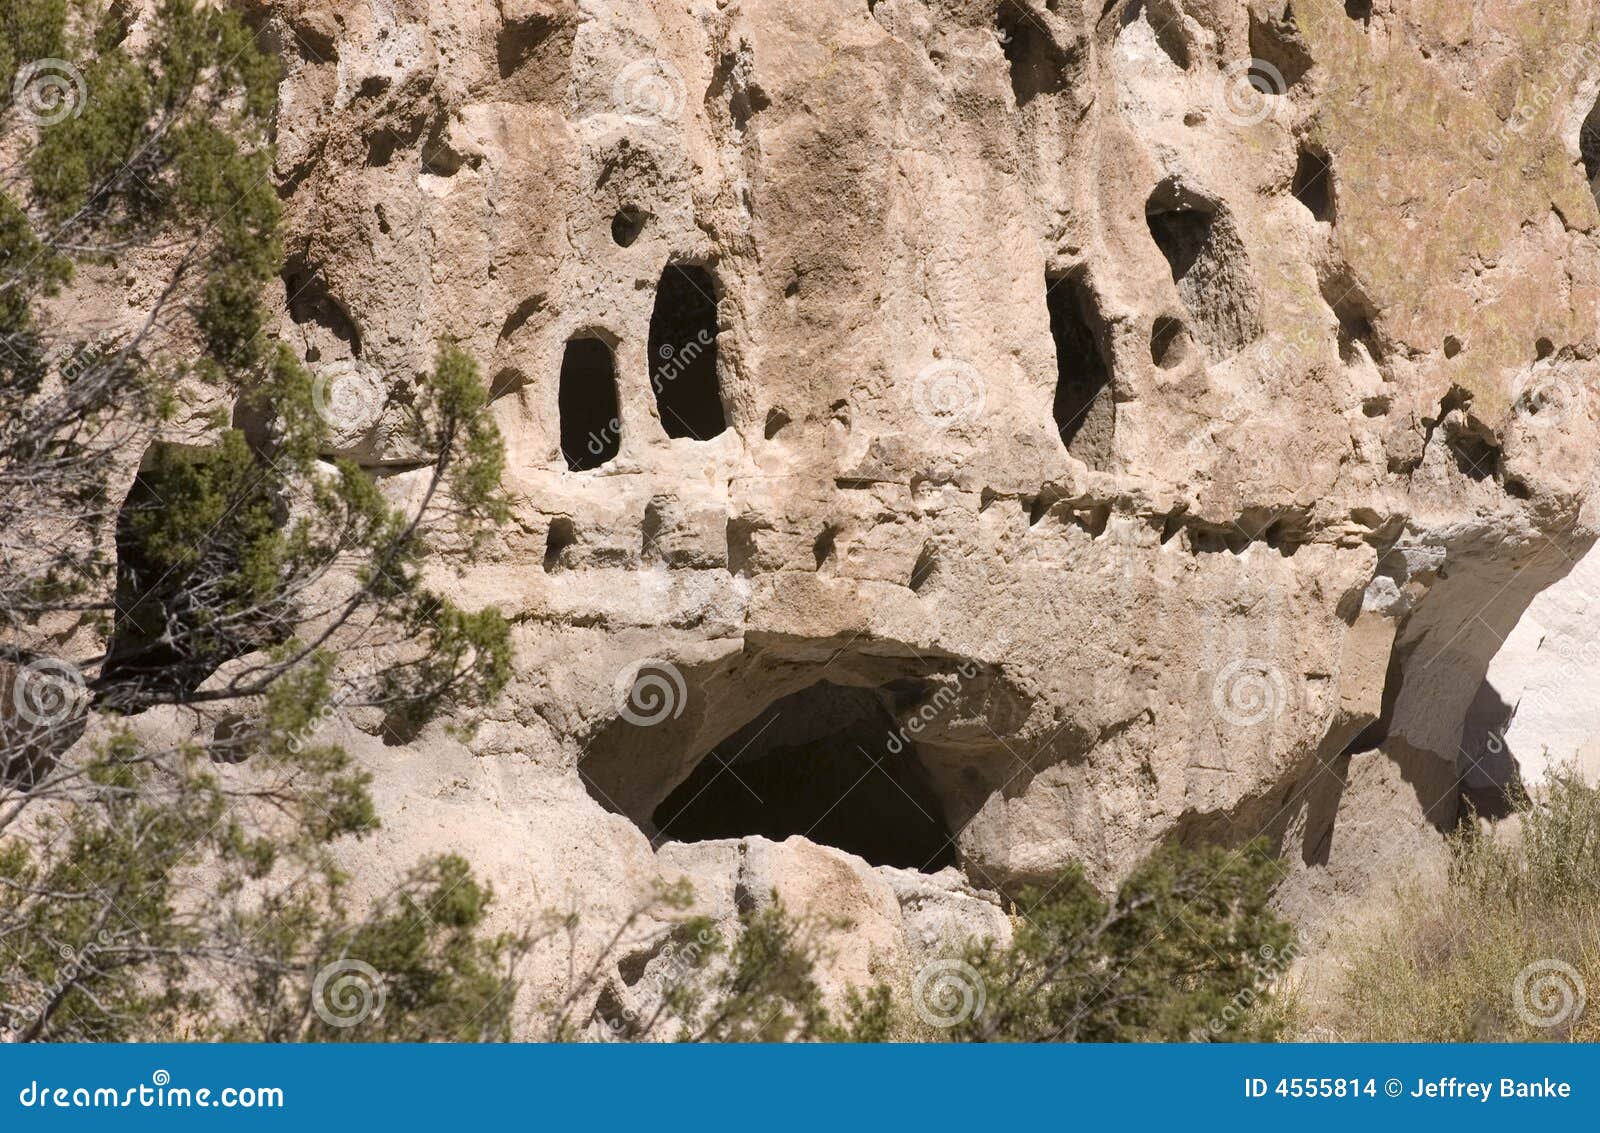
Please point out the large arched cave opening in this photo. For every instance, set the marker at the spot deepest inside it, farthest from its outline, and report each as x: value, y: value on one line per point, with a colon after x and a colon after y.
x: 828, y: 763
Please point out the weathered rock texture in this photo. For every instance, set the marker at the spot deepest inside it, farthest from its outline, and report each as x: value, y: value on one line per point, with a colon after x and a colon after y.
x: 1163, y: 455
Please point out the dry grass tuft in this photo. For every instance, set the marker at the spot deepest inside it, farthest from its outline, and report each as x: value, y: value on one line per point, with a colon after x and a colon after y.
x: 1508, y: 951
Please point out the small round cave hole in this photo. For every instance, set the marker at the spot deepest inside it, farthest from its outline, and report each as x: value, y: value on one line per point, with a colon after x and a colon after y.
x: 828, y: 763
x: 627, y: 226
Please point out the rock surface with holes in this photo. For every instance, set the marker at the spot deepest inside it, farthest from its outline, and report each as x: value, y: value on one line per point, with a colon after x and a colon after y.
x: 1151, y: 442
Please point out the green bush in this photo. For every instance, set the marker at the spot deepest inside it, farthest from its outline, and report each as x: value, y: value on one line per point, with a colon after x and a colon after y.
x: 1188, y: 950
x: 152, y: 890
x: 1185, y: 951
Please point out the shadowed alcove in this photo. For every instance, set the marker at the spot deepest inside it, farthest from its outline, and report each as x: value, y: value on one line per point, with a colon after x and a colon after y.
x: 591, y: 431
x: 683, y: 354
x: 828, y: 763
x: 1589, y: 149
x: 1209, y: 266
x: 876, y: 748
x: 1085, y: 409
x: 1313, y: 183
x: 1036, y: 63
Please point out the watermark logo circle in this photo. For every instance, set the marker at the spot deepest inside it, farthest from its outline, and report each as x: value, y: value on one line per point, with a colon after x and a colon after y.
x: 1247, y: 91
x: 1548, y: 993
x: 948, y: 393
x: 946, y: 993
x: 48, y: 692
x: 648, y: 92
x: 1249, y: 691
x: 1547, y: 398
x: 349, y: 399
x: 48, y: 91
x: 1202, y: 441
x: 161, y: 1077
x: 347, y: 993
x: 650, y: 691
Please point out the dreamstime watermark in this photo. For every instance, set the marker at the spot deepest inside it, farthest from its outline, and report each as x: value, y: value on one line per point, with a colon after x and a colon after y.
x: 992, y: 645
x: 650, y: 691
x: 946, y: 993
x: 675, y: 360
x: 961, y: 66
x: 1202, y: 440
x: 298, y: 739
x: 1277, y: 357
x: 948, y: 393
x: 48, y: 692
x: 348, y: 396
x: 597, y: 444
x: 74, y: 962
x: 346, y: 993
x: 375, y: 661
x: 1270, y: 967
x: 932, y: 708
x: 1548, y: 993
x: 158, y: 1093
x: 87, y: 357
x: 1584, y: 652
x: 1274, y: 361
x: 649, y: 92
x: 1576, y: 59
x: 1248, y: 92
x: 1249, y: 691
x: 672, y: 966
x: 1546, y: 397
x: 48, y: 91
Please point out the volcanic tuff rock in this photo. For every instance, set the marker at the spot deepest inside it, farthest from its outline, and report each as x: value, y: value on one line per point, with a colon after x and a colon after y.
x: 1107, y: 437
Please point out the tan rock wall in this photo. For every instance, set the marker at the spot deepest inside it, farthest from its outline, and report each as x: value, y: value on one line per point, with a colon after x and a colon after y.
x: 1367, y: 428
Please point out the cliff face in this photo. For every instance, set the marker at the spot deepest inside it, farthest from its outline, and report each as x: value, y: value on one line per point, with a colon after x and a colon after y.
x: 1110, y: 422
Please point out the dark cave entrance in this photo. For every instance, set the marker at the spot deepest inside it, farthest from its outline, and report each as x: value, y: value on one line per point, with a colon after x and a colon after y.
x: 683, y: 354
x: 179, y: 613
x: 591, y: 426
x: 1209, y: 266
x: 828, y: 763
x: 1589, y: 149
x: 1085, y: 411
x: 1313, y: 183
x: 1034, y: 60
x: 1183, y: 233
